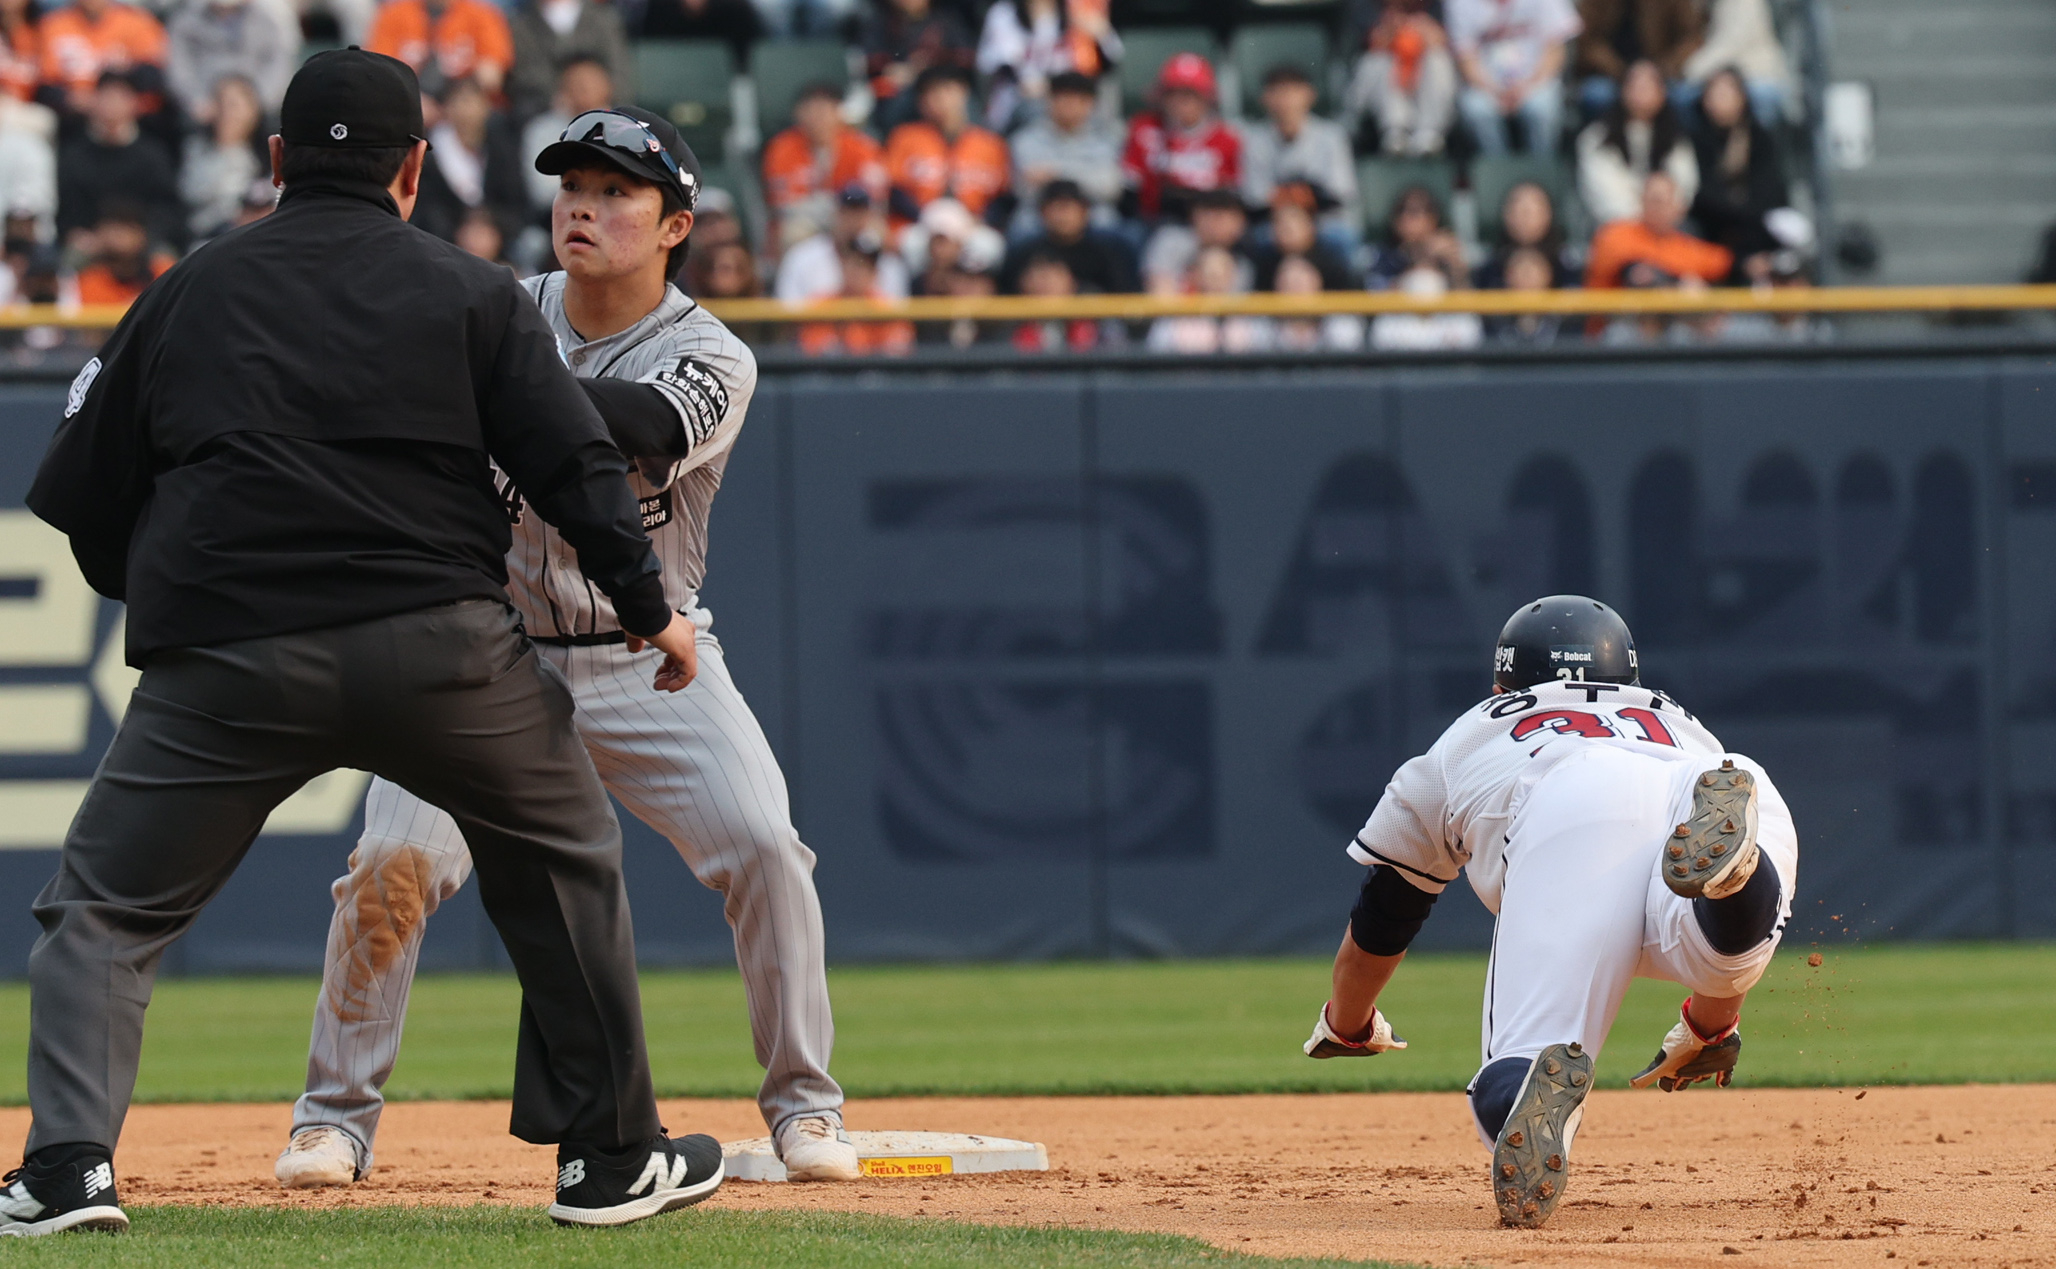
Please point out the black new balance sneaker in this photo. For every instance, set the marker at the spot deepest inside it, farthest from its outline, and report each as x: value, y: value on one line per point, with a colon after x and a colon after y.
x: 618, y: 1187
x: 59, y: 1188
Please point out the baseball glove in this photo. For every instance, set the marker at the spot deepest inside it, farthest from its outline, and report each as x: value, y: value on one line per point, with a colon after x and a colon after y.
x: 1688, y: 1057
x: 1326, y: 1044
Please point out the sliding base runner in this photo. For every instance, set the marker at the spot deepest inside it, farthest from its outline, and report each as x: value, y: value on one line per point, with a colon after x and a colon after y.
x: 910, y: 1155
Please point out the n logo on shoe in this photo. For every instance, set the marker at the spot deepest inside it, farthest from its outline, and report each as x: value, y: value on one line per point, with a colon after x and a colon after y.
x: 99, y: 1177
x: 571, y: 1174
x: 657, y: 1175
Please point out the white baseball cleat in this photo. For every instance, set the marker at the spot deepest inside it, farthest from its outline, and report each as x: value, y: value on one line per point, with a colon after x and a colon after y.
x: 1531, y: 1159
x: 318, y: 1156
x: 1714, y: 853
x: 815, y: 1148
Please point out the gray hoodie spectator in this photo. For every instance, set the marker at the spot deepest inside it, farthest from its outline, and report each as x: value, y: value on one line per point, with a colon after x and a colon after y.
x: 548, y: 34
x: 1295, y: 144
x: 1069, y: 142
x: 224, y: 160
x: 255, y: 39
x: 582, y: 85
x: 1219, y: 220
x: 28, y: 164
x: 1405, y: 77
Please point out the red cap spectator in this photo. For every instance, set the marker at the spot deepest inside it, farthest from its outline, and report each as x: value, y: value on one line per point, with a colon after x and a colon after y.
x: 1188, y: 72
x: 1181, y: 147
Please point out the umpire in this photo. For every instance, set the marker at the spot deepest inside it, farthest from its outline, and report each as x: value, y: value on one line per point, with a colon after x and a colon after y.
x: 280, y: 462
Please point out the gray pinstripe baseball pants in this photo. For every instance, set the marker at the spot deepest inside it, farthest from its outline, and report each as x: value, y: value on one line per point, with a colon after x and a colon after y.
x: 695, y: 766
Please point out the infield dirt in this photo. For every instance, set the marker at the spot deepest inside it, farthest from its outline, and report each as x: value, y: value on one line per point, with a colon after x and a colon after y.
x: 1900, y: 1176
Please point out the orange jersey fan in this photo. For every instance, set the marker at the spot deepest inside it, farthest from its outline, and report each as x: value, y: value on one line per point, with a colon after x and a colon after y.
x: 466, y: 34
x: 925, y: 165
x: 794, y: 173
x: 76, y: 49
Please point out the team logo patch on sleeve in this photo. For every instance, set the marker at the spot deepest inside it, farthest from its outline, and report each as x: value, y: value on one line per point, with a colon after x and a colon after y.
x: 75, y: 400
x: 510, y: 497
x: 701, y: 397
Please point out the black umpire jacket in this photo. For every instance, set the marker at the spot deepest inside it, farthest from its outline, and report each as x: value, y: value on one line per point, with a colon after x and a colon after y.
x: 290, y: 431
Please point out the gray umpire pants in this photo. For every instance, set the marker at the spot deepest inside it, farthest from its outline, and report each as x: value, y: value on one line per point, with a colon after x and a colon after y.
x: 451, y: 703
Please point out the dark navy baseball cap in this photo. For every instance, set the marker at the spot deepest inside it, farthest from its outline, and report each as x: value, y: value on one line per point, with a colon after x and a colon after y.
x: 638, y: 142
x: 348, y: 98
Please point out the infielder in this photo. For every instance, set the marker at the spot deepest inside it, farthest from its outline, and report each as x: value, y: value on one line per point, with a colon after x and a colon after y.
x: 674, y: 385
x: 1614, y: 838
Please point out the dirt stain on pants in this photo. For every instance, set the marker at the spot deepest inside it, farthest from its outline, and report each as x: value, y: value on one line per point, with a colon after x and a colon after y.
x: 379, y: 911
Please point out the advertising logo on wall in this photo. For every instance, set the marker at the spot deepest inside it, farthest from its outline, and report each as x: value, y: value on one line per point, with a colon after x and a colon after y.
x: 64, y: 687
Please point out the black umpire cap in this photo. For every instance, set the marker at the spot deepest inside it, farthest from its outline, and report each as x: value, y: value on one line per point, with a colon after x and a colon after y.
x: 639, y: 142
x: 348, y: 98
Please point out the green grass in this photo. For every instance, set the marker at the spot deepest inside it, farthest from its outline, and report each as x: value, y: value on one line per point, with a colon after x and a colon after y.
x: 463, y: 1237
x: 1896, y: 1014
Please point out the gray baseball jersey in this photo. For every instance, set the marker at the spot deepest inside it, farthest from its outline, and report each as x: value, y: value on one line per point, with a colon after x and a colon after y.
x: 694, y: 764
x: 708, y: 376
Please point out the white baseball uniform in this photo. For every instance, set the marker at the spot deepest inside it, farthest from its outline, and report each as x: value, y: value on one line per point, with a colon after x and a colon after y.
x: 1556, y: 802
x: 694, y: 764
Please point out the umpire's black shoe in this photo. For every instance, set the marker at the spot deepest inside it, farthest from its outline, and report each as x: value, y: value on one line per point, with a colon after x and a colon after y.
x: 59, y: 1188
x: 618, y: 1187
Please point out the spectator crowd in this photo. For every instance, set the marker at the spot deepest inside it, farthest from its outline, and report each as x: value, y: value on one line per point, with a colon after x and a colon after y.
x: 980, y: 147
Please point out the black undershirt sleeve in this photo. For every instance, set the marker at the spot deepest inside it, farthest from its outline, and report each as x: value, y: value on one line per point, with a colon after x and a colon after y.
x: 1389, y: 912
x: 642, y: 421
x: 546, y: 434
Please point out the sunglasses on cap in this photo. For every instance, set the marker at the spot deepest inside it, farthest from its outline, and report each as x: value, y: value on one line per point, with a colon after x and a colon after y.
x: 619, y: 132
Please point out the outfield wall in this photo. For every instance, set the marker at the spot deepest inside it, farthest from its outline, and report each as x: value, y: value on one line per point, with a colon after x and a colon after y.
x: 1116, y: 661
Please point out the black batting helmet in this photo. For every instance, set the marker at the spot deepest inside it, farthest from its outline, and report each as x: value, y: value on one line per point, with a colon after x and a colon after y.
x: 1564, y: 637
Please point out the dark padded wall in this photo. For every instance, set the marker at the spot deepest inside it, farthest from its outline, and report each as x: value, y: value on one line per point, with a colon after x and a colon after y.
x: 1075, y: 664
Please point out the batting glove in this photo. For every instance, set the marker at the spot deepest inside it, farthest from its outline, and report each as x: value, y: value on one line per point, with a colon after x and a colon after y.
x: 1687, y: 1057
x: 1326, y: 1044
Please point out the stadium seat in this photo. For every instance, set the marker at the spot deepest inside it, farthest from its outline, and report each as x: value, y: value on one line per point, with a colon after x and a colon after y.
x: 738, y: 178
x: 781, y: 68
x: 687, y: 81
x: 1492, y: 177
x: 1145, y: 52
x: 1256, y: 49
x: 1381, y: 181
x: 1131, y: 15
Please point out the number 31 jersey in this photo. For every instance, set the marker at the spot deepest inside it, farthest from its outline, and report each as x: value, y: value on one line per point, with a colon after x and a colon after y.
x: 1452, y: 808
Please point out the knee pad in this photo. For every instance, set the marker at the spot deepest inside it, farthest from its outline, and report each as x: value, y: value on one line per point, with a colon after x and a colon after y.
x: 1493, y: 1091
x: 1745, y: 918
